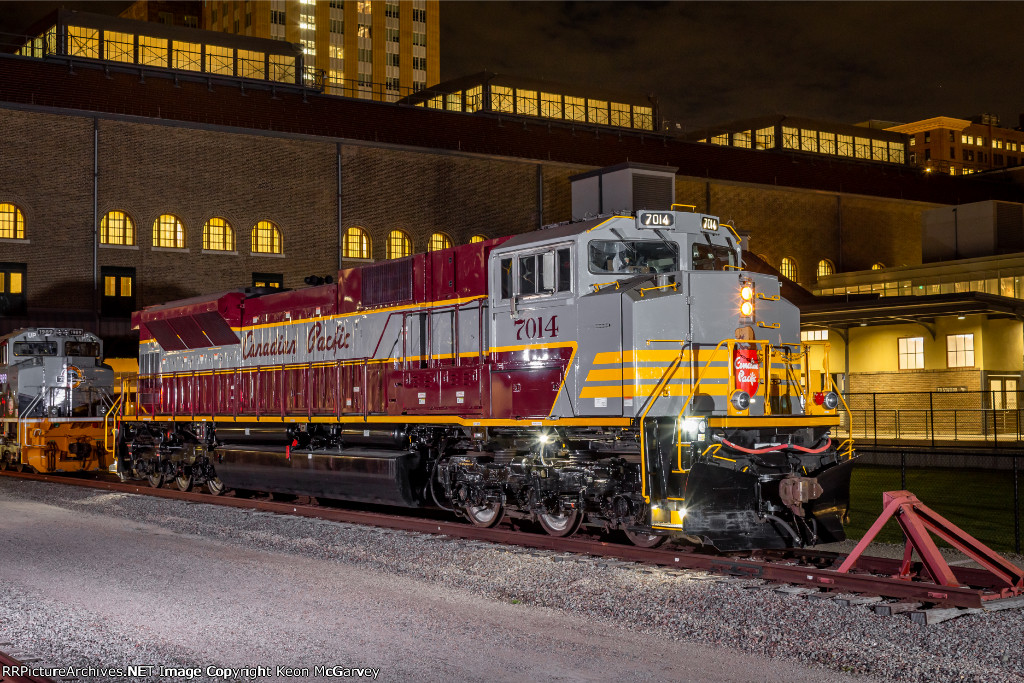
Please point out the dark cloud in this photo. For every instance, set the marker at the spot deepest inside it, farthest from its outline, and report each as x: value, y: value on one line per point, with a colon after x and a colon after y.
x: 710, y: 62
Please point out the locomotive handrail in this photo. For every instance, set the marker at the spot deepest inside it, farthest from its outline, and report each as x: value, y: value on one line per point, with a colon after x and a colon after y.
x: 673, y: 285
x: 692, y: 207
x: 107, y: 445
x: 651, y: 400
x: 597, y: 287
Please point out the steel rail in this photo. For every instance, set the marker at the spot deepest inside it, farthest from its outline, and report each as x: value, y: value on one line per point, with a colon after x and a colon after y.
x: 807, y: 567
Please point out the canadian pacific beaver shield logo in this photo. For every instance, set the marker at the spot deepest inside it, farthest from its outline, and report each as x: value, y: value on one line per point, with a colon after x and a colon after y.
x: 746, y: 369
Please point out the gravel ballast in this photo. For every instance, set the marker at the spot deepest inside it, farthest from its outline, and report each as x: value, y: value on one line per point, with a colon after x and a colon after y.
x: 102, y: 579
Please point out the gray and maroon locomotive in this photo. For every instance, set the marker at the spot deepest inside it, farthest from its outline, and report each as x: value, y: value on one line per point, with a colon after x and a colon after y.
x: 623, y: 372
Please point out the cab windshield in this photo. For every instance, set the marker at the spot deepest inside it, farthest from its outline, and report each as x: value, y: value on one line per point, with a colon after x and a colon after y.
x: 713, y: 257
x: 614, y: 257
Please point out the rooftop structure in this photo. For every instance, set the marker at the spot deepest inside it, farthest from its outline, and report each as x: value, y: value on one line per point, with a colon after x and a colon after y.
x: 811, y: 136
x: 511, y: 95
x: 944, y: 144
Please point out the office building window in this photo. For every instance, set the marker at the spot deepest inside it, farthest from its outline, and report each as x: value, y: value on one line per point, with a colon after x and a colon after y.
x: 575, y: 108
x: 439, y: 241
x: 620, y: 115
x: 399, y: 244
x: 117, y: 228
x: 12, y: 222
x: 83, y: 42
x: 814, y: 335
x: 911, y: 353
x: 808, y: 140
x: 12, y: 288
x: 271, y: 280
x: 266, y: 238
x: 825, y: 268
x: 878, y: 266
x: 551, y: 105
x: 477, y: 238
x: 118, y: 47
x: 168, y: 232
x: 844, y: 145
x: 960, y: 350
x: 764, y: 138
x: 597, y: 112
x: 152, y: 51
x: 218, y: 235
x: 790, y: 137
x: 220, y: 60
x: 118, y: 291
x: 357, y: 243
x: 188, y: 56
x: 502, y: 99
x: 788, y: 268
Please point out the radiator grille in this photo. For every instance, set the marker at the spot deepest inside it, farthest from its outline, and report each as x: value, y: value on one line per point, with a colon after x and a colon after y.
x: 388, y: 283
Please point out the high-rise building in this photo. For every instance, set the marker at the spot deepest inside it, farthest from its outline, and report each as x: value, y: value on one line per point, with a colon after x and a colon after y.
x: 376, y: 49
x: 944, y: 144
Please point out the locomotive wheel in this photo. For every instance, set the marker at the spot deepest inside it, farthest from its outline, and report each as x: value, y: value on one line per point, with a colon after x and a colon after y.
x: 183, y: 482
x: 485, y: 516
x: 562, y: 525
x: 643, y: 540
x: 156, y: 480
x: 214, y: 486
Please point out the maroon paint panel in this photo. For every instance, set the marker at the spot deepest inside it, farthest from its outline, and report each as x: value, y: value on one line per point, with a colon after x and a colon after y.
x: 525, y: 383
x: 207, y: 320
x: 292, y: 305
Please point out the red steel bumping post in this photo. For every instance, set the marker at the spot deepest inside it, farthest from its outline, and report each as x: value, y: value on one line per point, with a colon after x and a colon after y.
x: 917, y: 519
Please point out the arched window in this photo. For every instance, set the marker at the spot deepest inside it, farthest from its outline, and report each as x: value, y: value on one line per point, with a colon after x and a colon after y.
x: 477, y: 238
x: 266, y: 238
x: 117, y: 228
x: 788, y: 269
x: 825, y: 268
x: 218, y: 235
x: 168, y: 232
x: 12, y: 222
x: 399, y: 244
x: 439, y: 241
x: 357, y: 243
x: 878, y: 266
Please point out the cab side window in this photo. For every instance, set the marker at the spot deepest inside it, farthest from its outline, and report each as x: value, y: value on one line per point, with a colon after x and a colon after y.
x: 537, y: 273
x: 506, y: 278
x: 564, y: 270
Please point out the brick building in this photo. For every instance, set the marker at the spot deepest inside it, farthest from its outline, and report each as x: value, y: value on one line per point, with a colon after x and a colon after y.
x: 944, y: 144
x: 245, y: 182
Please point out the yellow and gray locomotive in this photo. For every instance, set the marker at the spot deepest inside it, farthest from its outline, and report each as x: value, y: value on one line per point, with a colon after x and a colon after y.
x: 623, y: 372
x: 55, y: 392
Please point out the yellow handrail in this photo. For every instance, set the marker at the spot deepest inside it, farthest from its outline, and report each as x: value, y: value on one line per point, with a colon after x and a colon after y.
x: 599, y: 285
x: 692, y: 207
x: 674, y: 286
x: 655, y: 395
x: 107, y: 433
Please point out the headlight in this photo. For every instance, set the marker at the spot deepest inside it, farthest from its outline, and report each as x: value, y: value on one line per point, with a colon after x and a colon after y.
x: 740, y: 400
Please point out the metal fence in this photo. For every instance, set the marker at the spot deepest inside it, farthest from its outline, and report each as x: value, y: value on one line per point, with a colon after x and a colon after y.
x: 975, y: 418
x: 978, y: 490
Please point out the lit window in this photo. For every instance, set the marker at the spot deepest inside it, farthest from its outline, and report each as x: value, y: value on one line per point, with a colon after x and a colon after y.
x: 118, y: 47
x: 620, y: 115
x: 597, y: 112
x: 357, y: 243
x: 502, y: 99
x: 118, y: 291
x: 551, y: 105
x: 844, y: 145
x: 526, y: 102
x: 439, y: 241
x: 575, y: 108
x: 825, y: 268
x: 808, y: 140
x: 878, y: 266
x: 790, y: 137
x: 188, y: 56
x: 12, y: 222
x: 12, y: 288
x: 960, y: 350
x: 862, y: 148
x: 168, y: 232
x: 788, y: 269
x: 251, y: 64
x: 218, y: 235
x: 814, y: 335
x: 399, y: 244
x: 477, y: 238
x: 282, y: 68
x: 474, y: 98
x: 83, y: 42
x: 152, y: 51
x: 643, y: 117
x: 911, y: 353
x: 266, y: 238
x: 220, y: 60
x: 271, y: 280
x: 828, y: 143
x: 741, y: 139
x: 117, y: 228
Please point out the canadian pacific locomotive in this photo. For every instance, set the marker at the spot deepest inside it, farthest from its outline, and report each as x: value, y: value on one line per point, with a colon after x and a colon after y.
x: 54, y: 394
x: 623, y: 372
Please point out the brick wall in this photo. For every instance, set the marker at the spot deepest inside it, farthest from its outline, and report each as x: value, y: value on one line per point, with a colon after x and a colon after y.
x: 907, y: 381
x: 146, y: 169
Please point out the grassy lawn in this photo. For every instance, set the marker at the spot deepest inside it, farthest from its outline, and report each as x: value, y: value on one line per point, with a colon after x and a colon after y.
x: 978, y: 501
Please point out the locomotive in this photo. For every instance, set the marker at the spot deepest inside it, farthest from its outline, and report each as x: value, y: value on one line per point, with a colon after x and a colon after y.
x: 625, y: 372
x: 55, y: 392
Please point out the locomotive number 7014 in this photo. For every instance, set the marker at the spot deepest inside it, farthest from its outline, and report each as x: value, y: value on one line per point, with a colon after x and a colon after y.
x: 536, y: 328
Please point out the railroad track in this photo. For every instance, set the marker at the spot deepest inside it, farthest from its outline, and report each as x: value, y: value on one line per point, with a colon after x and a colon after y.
x: 7, y: 663
x: 805, y: 572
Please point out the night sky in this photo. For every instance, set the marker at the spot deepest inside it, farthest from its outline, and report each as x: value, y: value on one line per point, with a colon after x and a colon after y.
x: 712, y: 62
